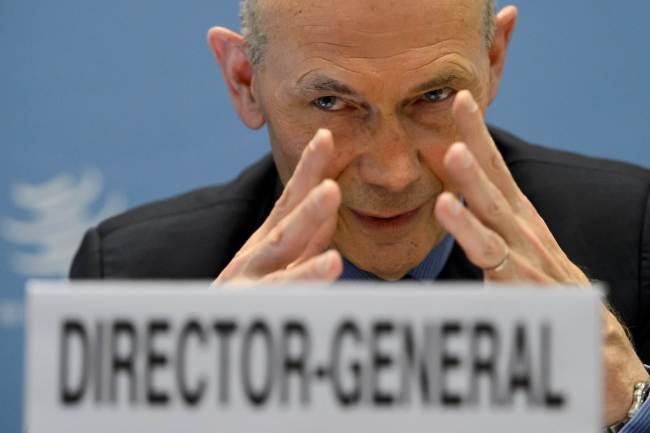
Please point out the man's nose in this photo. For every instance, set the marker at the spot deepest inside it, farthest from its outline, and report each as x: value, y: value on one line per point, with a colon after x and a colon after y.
x: 390, y: 160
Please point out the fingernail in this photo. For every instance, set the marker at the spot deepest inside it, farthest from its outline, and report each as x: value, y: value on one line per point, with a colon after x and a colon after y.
x: 314, y: 141
x: 455, y: 208
x: 321, y: 134
x: 319, y: 195
x: 472, y: 106
x: 325, y: 264
x: 463, y: 155
x: 466, y: 159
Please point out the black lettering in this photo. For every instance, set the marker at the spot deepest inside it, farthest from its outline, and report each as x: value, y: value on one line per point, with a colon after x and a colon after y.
x: 191, y: 396
x: 72, y: 393
x: 380, y: 361
x: 295, y: 332
x: 520, y: 365
x: 553, y: 399
x: 99, y: 361
x: 259, y: 331
x: 224, y: 330
x: 353, y: 395
x: 484, y: 363
x: 123, y: 362
x: 425, y: 363
x: 449, y: 361
x: 155, y: 361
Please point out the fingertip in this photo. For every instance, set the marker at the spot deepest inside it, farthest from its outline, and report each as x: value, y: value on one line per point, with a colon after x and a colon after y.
x: 439, y: 210
x: 330, y: 264
x: 465, y: 103
x: 332, y: 184
x: 457, y: 148
x: 331, y: 187
x: 463, y: 95
x: 329, y: 184
x: 323, y: 139
x: 447, y: 205
x: 443, y: 199
x: 458, y: 156
x: 336, y: 264
x: 460, y: 99
x: 324, y: 134
x: 318, y: 151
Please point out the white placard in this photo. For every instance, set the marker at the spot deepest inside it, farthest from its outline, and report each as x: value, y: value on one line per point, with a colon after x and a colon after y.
x: 179, y: 357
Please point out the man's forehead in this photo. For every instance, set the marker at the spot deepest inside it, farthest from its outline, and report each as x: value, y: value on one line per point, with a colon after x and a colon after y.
x: 377, y: 19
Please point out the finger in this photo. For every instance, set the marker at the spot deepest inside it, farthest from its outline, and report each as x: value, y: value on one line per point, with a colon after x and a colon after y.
x: 286, y: 242
x: 312, y: 167
x: 484, y: 199
x: 480, y: 144
x: 309, y: 172
x: 473, y: 131
x: 321, y: 241
x: 327, y: 266
x: 482, y: 246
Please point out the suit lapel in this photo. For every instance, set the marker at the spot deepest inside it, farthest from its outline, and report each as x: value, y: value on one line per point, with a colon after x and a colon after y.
x: 458, y: 267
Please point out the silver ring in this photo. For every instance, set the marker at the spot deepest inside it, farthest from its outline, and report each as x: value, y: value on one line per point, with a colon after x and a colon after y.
x: 502, y: 264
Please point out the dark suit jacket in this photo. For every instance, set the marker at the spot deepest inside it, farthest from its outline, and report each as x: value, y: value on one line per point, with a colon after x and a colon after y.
x: 598, y: 210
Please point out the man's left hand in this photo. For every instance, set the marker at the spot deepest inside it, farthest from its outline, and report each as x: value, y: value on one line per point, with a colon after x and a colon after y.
x: 502, y: 233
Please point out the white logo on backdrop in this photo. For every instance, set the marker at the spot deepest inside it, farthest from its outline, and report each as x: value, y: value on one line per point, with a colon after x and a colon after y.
x: 61, y: 210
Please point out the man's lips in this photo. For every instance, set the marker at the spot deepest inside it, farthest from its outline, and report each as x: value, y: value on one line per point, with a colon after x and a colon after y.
x: 385, y: 221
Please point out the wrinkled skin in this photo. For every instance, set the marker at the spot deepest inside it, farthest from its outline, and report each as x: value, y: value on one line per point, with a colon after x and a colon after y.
x: 399, y: 90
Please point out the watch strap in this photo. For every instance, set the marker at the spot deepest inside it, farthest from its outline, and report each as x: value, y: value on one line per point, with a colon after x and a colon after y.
x: 640, y: 395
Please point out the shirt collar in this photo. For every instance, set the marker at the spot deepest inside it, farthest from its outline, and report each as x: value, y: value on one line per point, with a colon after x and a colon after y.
x: 428, y: 269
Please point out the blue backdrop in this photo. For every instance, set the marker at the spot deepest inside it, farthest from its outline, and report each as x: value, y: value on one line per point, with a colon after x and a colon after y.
x: 106, y: 105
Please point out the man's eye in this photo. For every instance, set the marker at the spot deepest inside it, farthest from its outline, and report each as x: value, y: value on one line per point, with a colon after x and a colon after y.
x: 329, y: 103
x: 437, y: 95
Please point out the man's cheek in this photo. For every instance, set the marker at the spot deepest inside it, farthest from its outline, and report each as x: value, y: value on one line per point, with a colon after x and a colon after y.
x: 432, y: 157
x: 286, y: 156
x: 288, y: 141
x: 342, y: 164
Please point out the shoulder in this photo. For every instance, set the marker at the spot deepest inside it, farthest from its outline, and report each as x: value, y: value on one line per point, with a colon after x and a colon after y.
x: 565, y: 183
x: 567, y: 186
x: 590, y: 200
x: 187, y: 236
x: 257, y: 180
x: 519, y: 153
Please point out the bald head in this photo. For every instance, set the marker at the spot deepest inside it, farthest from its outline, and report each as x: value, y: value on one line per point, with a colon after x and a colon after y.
x: 252, y: 26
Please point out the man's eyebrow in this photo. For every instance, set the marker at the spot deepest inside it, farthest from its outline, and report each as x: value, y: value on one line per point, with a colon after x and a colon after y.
x: 437, y: 82
x: 323, y: 83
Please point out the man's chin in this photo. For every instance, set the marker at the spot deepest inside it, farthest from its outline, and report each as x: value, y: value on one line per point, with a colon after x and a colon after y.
x: 389, y: 271
x: 389, y: 261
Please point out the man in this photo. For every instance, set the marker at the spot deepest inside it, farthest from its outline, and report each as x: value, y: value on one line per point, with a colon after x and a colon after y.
x: 375, y: 117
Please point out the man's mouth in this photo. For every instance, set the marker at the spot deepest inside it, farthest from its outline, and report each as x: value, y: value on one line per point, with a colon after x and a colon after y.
x: 388, y: 221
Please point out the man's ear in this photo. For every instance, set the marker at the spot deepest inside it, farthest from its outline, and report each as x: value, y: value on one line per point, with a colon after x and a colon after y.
x: 230, y: 51
x: 506, y: 20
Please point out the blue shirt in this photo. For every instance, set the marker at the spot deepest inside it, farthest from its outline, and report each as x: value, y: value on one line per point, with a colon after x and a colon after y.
x: 640, y: 422
x: 430, y: 269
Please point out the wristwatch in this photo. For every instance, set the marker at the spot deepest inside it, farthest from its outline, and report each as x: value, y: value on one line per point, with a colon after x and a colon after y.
x: 641, y: 393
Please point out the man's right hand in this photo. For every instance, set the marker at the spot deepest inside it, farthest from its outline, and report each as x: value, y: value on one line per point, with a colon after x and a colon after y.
x: 293, y: 242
